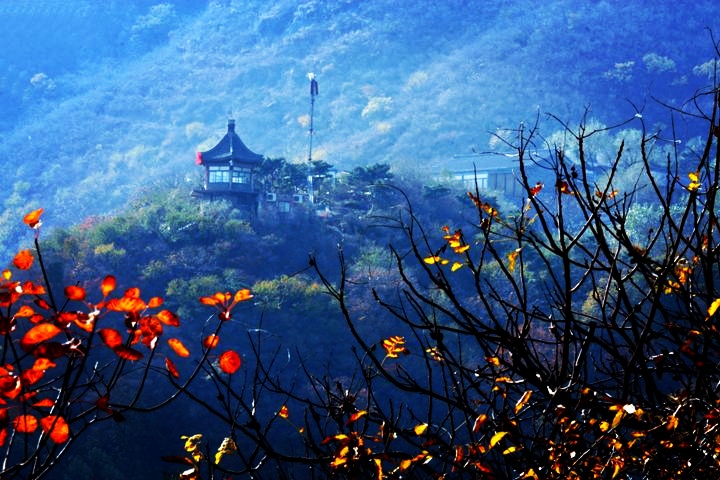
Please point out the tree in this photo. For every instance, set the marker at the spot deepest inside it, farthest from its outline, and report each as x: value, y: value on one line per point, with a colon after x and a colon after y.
x: 69, y: 362
x: 550, y: 342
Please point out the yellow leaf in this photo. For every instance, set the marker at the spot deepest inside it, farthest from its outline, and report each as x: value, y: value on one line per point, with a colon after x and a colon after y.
x: 456, y: 266
x: 694, y: 181
x: 420, y: 429
x: 226, y: 447
x: 496, y: 438
x: 713, y: 308
x: 432, y: 259
x: 531, y: 474
x: 509, y: 450
x: 618, y: 417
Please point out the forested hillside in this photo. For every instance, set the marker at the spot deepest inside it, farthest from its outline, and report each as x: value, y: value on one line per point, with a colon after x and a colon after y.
x: 101, y: 99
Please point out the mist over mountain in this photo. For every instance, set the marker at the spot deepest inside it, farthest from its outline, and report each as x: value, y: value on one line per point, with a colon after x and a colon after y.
x: 102, y: 99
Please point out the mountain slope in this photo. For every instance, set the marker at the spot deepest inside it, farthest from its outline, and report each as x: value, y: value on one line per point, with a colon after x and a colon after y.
x: 408, y: 83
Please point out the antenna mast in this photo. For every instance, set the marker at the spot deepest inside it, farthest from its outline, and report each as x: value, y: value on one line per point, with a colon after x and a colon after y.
x: 313, y: 94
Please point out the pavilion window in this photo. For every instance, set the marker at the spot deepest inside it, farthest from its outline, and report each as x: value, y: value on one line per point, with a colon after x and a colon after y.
x: 219, y: 175
x: 241, y: 176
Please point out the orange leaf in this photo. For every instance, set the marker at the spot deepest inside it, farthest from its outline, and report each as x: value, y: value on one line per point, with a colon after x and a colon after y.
x: 420, y: 429
x: 523, y: 400
x: 355, y: 417
x: 25, y: 423
x: 111, y: 337
x: 171, y: 368
x: 212, y: 301
x: 168, y: 318
x: 43, y: 364
x: 38, y: 334
x: 73, y: 292
x: 108, y: 285
x: 155, y: 302
x: 479, y: 421
x: 230, y: 362
x: 242, y: 295
x: 126, y: 304
x: 25, y: 311
x: 563, y: 186
x: 178, y: 347
x: 23, y: 260
x: 32, y: 219
x: 127, y: 353
x: 211, y: 341
x: 56, y: 427
x: 284, y: 412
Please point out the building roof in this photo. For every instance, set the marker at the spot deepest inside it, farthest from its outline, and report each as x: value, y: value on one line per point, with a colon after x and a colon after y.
x: 485, y: 162
x: 229, y: 148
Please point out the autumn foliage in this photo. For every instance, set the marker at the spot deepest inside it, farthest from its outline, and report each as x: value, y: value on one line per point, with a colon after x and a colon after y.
x: 552, y: 340
x: 64, y: 360
x: 544, y: 337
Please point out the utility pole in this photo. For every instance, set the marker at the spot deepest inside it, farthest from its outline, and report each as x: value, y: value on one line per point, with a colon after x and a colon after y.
x: 313, y: 94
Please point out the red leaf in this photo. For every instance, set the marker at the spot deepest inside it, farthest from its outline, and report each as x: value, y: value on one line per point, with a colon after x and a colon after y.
x: 178, y: 347
x: 23, y: 260
x: 108, y: 285
x: 171, y: 368
x: 25, y: 423
x: 37, y: 334
x: 150, y: 328
x: 31, y: 376
x: 168, y: 318
x: 73, y: 292
x: 111, y: 337
x: 32, y: 219
x: 103, y: 404
x: 29, y: 288
x: 56, y: 427
x: 230, y: 362
x: 39, y: 301
x: 133, y: 292
x: 127, y: 353
x: 45, y: 402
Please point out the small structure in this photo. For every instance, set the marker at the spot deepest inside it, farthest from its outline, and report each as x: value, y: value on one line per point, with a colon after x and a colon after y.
x: 230, y: 169
x: 496, y: 172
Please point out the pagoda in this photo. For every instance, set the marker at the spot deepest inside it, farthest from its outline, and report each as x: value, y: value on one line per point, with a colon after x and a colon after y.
x: 230, y: 168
